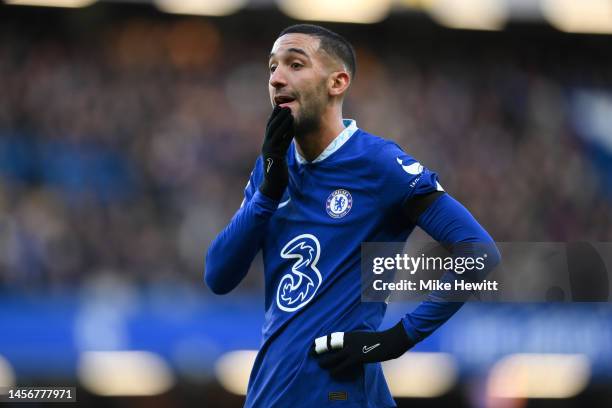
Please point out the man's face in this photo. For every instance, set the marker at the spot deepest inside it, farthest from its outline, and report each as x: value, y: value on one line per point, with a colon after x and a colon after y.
x: 298, y: 77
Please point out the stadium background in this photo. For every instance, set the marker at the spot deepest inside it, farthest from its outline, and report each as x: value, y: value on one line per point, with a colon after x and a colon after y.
x: 127, y: 135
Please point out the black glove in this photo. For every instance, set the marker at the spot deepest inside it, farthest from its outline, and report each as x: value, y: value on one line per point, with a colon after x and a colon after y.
x: 279, y: 132
x: 340, y: 352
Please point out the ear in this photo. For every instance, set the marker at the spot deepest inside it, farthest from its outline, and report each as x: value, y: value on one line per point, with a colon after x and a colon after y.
x: 338, y: 83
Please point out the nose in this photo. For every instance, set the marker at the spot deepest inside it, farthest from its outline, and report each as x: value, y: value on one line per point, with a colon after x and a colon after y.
x: 277, y: 79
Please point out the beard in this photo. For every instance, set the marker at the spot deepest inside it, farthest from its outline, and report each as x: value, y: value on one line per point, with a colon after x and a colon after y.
x: 309, y: 118
x: 308, y: 122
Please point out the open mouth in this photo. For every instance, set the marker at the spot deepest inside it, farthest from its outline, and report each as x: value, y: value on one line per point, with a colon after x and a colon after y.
x: 283, y: 100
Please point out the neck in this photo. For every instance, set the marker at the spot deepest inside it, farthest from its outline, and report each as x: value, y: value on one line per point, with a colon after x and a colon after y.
x: 310, y: 145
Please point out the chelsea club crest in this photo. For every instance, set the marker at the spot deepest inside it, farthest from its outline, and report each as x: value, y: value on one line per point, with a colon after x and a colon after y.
x: 339, y: 203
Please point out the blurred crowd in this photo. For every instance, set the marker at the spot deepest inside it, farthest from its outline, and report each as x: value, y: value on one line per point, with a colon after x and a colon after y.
x: 125, y: 149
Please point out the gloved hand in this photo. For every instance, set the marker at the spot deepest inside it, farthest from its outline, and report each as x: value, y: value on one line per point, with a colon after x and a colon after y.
x: 340, y: 351
x: 274, y: 150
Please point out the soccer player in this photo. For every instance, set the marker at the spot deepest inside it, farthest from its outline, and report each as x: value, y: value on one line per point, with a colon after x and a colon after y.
x: 320, y: 188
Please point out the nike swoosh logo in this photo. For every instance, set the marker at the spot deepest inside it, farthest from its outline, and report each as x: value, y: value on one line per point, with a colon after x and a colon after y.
x: 284, y: 203
x: 368, y: 349
x: 269, y: 161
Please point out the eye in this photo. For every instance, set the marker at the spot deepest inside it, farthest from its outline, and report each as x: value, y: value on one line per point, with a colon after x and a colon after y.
x: 296, y: 65
x: 272, y: 68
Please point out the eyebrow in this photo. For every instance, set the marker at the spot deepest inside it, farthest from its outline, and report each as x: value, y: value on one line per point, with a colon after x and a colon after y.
x: 296, y: 50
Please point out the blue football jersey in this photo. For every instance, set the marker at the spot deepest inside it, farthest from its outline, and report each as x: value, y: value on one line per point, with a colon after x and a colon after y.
x: 352, y: 193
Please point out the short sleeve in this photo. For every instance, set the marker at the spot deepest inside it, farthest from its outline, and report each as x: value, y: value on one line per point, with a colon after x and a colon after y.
x: 403, y: 177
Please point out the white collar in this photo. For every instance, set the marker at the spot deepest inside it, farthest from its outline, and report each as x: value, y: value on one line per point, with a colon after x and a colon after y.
x: 342, y: 138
